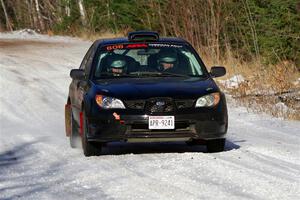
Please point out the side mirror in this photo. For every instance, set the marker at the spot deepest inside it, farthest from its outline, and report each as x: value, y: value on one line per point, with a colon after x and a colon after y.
x: 217, y: 71
x: 77, y: 74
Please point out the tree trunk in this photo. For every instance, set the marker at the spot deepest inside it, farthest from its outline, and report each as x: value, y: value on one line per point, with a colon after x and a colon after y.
x: 252, y: 27
x: 41, y: 21
x: 8, y: 24
x: 34, y: 15
x: 82, y: 12
x: 1, y: 26
x: 29, y: 10
x: 67, y: 8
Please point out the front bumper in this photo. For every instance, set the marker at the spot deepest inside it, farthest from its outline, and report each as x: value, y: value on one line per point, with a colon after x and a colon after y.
x: 207, y: 124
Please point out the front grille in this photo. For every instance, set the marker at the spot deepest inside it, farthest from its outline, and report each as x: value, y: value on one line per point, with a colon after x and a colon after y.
x: 159, y: 105
x: 185, y: 103
x: 135, y: 104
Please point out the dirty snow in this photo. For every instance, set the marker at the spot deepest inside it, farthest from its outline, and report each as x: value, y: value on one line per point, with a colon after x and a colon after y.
x: 261, y: 160
x: 233, y: 82
x: 33, y: 35
x: 297, y: 82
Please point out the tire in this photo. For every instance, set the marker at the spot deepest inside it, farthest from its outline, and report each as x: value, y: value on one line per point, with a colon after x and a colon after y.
x: 74, y: 136
x: 216, y: 145
x: 89, y: 148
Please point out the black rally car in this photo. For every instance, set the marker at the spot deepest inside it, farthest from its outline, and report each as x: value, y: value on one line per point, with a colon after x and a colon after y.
x: 144, y: 88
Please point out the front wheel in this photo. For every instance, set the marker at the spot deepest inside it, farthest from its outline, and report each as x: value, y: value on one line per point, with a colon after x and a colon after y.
x: 89, y: 148
x: 215, y: 145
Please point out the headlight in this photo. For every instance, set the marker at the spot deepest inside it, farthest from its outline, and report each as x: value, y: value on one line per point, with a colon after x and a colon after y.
x: 109, y: 102
x: 208, y: 100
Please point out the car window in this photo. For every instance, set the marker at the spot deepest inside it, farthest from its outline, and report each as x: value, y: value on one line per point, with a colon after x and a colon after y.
x: 131, y: 60
x: 89, y: 61
x: 86, y: 57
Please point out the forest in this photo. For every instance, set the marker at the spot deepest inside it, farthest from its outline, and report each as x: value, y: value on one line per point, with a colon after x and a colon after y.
x: 269, y: 29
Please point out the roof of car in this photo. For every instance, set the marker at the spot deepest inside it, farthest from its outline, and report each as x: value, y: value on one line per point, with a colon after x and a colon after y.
x: 109, y: 41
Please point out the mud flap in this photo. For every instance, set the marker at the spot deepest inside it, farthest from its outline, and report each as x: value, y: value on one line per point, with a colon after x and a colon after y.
x: 68, y: 119
x: 81, y: 123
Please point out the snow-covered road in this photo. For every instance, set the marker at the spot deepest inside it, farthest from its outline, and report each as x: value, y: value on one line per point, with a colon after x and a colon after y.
x: 261, y: 161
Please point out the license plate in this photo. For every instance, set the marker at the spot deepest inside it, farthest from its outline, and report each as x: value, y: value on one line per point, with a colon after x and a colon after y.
x: 161, y: 122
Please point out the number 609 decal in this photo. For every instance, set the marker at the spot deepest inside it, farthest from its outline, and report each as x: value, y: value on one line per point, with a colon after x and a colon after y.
x: 112, y: 47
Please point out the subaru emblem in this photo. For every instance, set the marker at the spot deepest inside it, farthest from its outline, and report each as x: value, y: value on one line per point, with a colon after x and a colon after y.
x: 160, y: 103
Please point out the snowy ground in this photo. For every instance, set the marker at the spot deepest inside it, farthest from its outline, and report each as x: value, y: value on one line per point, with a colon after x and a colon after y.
x: 261, y: 160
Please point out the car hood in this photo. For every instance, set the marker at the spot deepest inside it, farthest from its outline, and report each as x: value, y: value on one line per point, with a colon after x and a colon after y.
x: 144, y: 88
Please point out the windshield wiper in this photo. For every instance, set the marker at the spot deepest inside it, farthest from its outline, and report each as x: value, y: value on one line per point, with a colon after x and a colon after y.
x: 141, y: 74
x: 172, y: 74
x: 147, y: 73
x: 112, y: 75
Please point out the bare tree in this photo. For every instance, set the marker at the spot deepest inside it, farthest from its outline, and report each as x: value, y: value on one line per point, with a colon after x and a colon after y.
x: 1, y: 26
x: 8, y: 24
x: 82, y: 12
x: 252, y: 26
x: 39, y: 15
x: 67, y: 8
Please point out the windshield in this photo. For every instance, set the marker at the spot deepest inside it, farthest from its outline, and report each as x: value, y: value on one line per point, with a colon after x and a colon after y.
x: 145, y: 60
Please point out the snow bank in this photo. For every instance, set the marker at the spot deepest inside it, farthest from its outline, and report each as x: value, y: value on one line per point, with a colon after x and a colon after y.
x: 233, y: 82
x: 29, y: 34
x: 281, y: 107
x: 297, y: 82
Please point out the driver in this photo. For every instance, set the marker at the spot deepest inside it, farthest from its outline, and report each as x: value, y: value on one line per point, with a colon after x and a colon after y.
x: 117, y: 67
x: 167, y: 61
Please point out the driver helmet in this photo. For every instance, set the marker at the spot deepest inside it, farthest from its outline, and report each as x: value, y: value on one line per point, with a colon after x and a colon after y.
x: 167, y: 57
x: 117, y: 66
